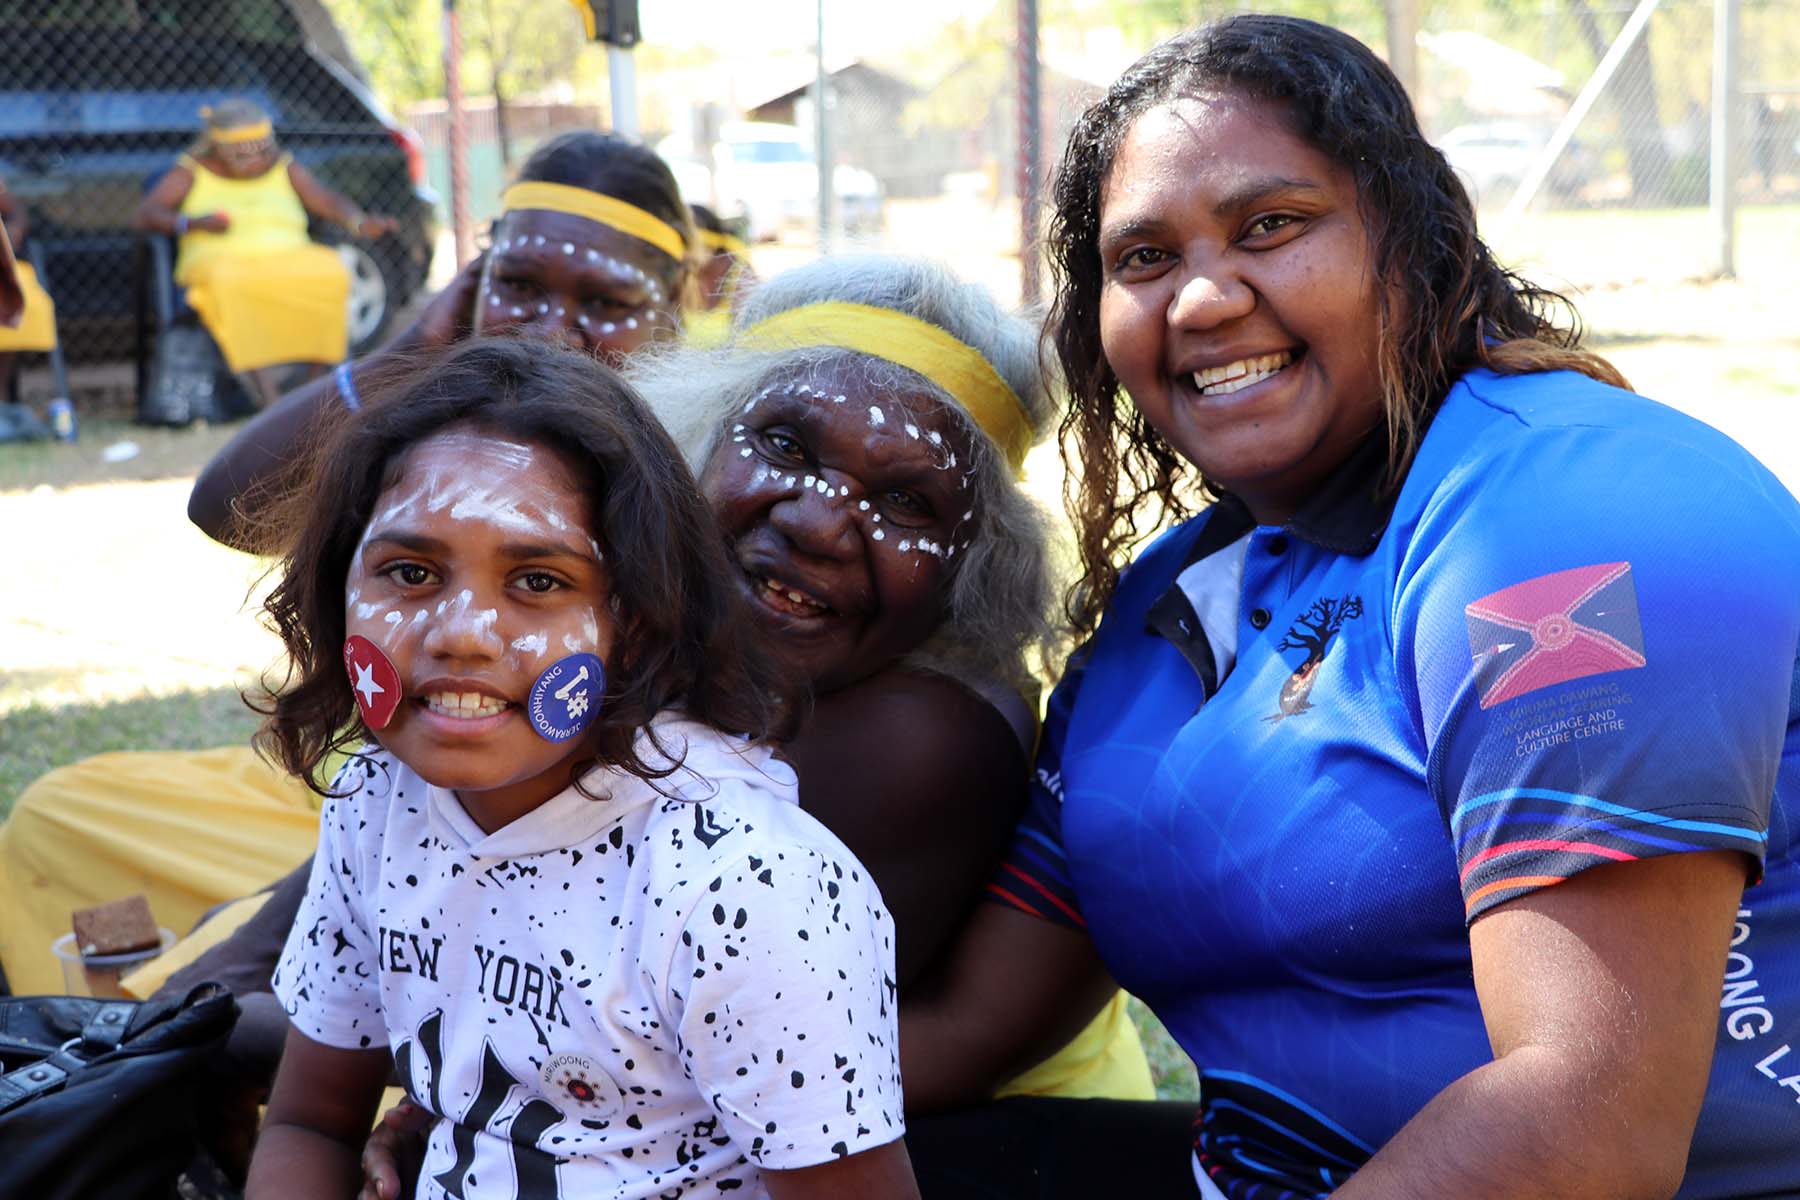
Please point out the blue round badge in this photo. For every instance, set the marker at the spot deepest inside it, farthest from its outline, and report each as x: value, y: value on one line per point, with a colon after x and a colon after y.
x: 566, y: 697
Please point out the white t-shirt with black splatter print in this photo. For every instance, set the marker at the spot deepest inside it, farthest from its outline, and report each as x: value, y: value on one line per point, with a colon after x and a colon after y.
x: 630, y: 997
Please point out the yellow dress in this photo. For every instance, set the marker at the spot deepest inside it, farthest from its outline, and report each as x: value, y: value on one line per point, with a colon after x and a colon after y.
x: 37, y: 326
x: 188, y: 829
x: 265, y: 292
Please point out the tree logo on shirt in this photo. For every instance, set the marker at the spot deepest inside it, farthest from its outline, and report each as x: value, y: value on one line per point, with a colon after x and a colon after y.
x: 1312, y: 632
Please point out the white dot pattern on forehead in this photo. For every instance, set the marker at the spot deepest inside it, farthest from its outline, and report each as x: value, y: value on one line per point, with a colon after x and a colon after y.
x: 568, y: 247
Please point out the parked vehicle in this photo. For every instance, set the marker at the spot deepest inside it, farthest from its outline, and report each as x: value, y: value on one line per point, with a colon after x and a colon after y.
x: 766, y: 175
x: 1493, y: 158
x: 99, y: 97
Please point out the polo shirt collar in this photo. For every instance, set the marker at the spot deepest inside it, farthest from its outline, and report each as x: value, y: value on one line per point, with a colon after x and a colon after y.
x: 1346, y: 515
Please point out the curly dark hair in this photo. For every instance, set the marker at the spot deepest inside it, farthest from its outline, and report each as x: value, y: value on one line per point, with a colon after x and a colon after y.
x: 1461, y: 307
x: 687, y: 638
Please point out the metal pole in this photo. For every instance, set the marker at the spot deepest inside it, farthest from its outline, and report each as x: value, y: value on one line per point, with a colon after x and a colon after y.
x: 822, y: 147
x: 1725, y: 129
x: 621, y: 74
x: 1403, y: 43
x: 459, y: 136
x: 1030, y: 152
x: 1578, y: 111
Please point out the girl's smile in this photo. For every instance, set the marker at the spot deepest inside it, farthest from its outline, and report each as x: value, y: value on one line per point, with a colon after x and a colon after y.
x: 475, y: 574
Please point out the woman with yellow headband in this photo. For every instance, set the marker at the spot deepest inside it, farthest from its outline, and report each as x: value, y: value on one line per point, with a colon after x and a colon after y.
x: 724, y: 277
x: 591, y: 249
x: 268, y: 295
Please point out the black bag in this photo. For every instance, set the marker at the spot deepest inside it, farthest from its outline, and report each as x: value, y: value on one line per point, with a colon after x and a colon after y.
x: 189, y: 381
x: 99, y: 1097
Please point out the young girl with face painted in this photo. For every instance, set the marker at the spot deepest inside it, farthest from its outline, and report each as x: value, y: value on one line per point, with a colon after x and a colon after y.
x: 564, y: 892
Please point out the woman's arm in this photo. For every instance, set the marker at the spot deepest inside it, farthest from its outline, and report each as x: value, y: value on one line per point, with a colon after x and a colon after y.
x: 929, y: 813
x: 884, y: 1173
x: 228, y: 497
x: 1601, y: 997
x: 1012, y: 990
x: 321, y: 1109
x: 160, y: 209
x: 324, y: 201
x: 13, y: 217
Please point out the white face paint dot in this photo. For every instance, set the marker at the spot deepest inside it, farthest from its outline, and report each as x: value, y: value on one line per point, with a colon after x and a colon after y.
x: 912, y: 431
x: 876, y: 416
x: 393, y: 618
x: 517, y: 311
x: 744, y: 453
x: 538, y: 240
x: 879, y: 535
x: 905, y: 544
x: 810, y: 480
x: 542, y: 309
x: 863, y: 505
x: 631, y: 322
x: 568, y: 247
x: 878, y: 516
x: 935, y: 438
x: 608, y: 327
x: 494, y: 300
x: 824, y: 488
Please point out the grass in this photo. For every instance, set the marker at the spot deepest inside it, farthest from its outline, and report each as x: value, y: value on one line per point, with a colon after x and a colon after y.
x: 37, y: 737
x: 161, y: 454
x: 1170, y: 1068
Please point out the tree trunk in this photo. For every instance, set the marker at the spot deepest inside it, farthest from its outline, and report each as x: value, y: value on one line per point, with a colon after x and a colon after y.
x: 1632, y: 95
x: 500, y: 130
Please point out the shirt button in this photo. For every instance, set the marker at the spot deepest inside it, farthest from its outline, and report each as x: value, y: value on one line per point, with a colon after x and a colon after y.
x: 1277, y: 544
x: 1259, y: 618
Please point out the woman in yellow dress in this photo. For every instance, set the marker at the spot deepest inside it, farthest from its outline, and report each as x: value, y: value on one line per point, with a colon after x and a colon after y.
x: 36, y: 331
x: 266, y: 292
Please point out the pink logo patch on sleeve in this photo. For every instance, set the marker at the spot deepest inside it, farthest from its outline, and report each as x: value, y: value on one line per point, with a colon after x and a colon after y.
x: 1557, y: 627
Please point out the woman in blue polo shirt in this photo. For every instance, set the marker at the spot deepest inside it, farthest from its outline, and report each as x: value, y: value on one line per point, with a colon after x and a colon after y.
x: 1437, y: 785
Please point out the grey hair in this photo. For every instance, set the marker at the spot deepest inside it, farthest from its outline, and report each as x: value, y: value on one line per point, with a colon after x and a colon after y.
x: 997, y: 624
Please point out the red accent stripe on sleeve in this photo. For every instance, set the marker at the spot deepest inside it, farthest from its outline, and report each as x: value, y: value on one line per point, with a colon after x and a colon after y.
x: 1546, y: 844
x: 1517, y: 881
x: 1046, y: 893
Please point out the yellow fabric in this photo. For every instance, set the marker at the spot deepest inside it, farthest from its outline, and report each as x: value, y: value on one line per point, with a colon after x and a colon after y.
x: 1105, y: 1061
x: 265, y: 292
x: 261, y: 131
x: 708, y: 328
x: 221, y: 925
x: 593, y: 206
x: 189, y: 829
x: 911, y: 343
x: 724, y: 241
x: 37, y: 325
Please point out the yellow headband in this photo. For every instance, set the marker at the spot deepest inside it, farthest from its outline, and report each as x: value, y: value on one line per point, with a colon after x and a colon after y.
x: 603, y: 210
x: 911, y: 343
x: 261, y: 131
x: 724, y: 241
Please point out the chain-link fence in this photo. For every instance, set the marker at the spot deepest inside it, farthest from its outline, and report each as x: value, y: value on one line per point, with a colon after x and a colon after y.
x: 99, y: 99
x: 1586, y: 128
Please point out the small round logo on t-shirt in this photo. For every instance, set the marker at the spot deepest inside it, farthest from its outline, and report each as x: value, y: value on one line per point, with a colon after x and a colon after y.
x: 576, y: 1083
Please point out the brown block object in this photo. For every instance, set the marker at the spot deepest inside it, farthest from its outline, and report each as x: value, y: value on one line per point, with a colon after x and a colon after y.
x: 116, y: 928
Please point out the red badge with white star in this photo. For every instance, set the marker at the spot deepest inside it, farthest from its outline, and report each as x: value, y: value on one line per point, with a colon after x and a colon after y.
x: 374, y: 680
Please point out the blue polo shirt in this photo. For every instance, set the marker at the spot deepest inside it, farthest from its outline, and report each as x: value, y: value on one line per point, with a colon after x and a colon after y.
x: 1570, y: 639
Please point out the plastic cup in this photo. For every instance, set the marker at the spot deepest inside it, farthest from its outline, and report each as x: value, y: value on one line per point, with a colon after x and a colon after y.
x: 99, y: 974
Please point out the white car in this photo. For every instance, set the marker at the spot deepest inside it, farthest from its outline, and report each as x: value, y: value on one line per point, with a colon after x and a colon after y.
x: 766, y: 174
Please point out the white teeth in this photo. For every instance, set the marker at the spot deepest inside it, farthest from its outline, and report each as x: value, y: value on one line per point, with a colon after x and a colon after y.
x: 792, y: 596
x: 1235, y: 376
x: 464, y: 704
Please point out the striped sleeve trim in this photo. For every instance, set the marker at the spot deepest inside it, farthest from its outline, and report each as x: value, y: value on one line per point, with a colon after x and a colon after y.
x: 1515, y: 841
